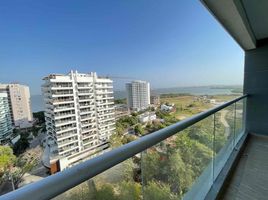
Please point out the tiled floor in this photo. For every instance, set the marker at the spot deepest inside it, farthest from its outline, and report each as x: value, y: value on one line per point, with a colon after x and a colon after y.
x: 250, y: 179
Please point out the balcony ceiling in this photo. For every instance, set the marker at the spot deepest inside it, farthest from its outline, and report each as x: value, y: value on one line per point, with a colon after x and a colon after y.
x: 245, y: 20
x: 257, y: 12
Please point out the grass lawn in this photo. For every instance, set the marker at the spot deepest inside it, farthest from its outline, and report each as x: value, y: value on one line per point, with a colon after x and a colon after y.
x: 187, y: 106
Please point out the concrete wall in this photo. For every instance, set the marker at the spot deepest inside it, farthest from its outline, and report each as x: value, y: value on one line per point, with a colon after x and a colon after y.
x: 256, y: 84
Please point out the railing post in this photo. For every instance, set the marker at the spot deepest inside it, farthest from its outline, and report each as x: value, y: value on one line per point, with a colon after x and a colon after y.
x: 214, y: 150
x: 234, y: 125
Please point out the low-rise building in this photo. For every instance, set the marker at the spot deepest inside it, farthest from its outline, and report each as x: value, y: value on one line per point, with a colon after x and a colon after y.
x: 146, y: 117
x: 166, y: 108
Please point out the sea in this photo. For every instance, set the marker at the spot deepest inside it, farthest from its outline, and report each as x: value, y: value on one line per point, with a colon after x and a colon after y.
x: 38, y: 104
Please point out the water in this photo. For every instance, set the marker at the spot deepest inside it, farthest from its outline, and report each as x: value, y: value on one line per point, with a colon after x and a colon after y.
x: 37, y: 103
x: 37, y: 100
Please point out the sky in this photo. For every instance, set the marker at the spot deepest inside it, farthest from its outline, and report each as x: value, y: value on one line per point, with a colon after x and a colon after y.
x: 170, y: 43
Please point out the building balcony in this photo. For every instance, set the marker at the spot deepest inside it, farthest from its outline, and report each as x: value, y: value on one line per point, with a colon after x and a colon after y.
x: 104, y: 104
x: 63, y: 130
x: 64, y: 122
x: 62, y: 95
x: 220, y: 153
x: 104, y: 92
x: 89, y: 130
x: 85, y: 124
x: 213, y: 141
x: 63, y: 101
x: 90, y: 135
x: 64, y: 108
x: 64, y: 150
x: 87, y: 117
x: 63, y: 87
x: 66, y: 135
x: 64, y: 115
x: 67, y: 141
x: 104, y: 86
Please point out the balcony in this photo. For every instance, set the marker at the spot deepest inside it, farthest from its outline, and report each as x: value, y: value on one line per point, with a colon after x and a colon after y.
x: 220, y: 153
x: 217, y: 139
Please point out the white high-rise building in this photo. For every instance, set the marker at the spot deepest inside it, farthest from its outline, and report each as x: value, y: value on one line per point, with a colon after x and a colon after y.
x: 6, y: 128
x: 79, y: 113
x: 138, y: 95
x: 20, y: 104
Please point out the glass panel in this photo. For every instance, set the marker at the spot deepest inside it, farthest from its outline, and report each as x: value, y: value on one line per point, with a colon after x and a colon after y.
x: 180, y: 163
x: 224, y: 137
x: 184, y: 166
x: 240, y: 119
x: 122, y: 181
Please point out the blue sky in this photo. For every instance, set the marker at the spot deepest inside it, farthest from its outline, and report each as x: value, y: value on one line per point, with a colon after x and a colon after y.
x: 170, y: 43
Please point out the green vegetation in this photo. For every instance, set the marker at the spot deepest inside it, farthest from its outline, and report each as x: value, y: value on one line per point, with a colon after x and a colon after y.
x: 171, y: 95
x: 139, y: 130
x: 167, y: 170
x: 10, y: 165
x: 120, y: 101
x: 40, y: 116
x: 24, y: 163
x: 7, y: 160
x: 21, y: 146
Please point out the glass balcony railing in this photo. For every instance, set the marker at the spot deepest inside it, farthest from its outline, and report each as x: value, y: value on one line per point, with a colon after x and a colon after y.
x: 181, y: 161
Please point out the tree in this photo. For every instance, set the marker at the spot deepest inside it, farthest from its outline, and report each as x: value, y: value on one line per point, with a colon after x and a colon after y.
x: 138, y: 129
x: 7, y: 160
x: 21, y: 145
x: 128, y: 138
x: 106, y: 192
x: 40, y: 116
x: 120, y: 101
x: 158, y: 191
x: 129, y: 191
x: 24, y: 163
x: 116, y: 140
x: 195, y: 155
x: 150, y: 165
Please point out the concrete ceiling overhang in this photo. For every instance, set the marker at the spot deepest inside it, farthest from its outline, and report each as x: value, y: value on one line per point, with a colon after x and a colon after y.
x: 245, y: 20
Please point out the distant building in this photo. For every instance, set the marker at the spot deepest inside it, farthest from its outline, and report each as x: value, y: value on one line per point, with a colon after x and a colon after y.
x: 146, y: 117
x: 166, y: 108
x: 155, y: 99
x: 79, y: 114
x: 19, y: 104
x: 213, y: 101
x: 138, y: 95
x: 6, y: 128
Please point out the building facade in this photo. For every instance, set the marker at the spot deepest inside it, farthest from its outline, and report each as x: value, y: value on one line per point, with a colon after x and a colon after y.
x: 79, y: 113
x: 19, y: 103
x: 147, y: 117
x: 138, y: 95
x: 6, y: 128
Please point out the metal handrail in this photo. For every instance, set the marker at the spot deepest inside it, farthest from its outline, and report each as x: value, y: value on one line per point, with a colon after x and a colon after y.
x: 58, y: 183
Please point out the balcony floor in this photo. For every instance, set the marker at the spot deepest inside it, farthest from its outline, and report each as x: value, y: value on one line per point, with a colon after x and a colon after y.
x: 250, y: 178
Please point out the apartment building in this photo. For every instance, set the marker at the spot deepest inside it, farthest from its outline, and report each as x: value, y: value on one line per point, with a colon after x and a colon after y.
x: 6, y: 128
x: 19, y: 104
x: 79, y: 113
x: 138, y: 95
